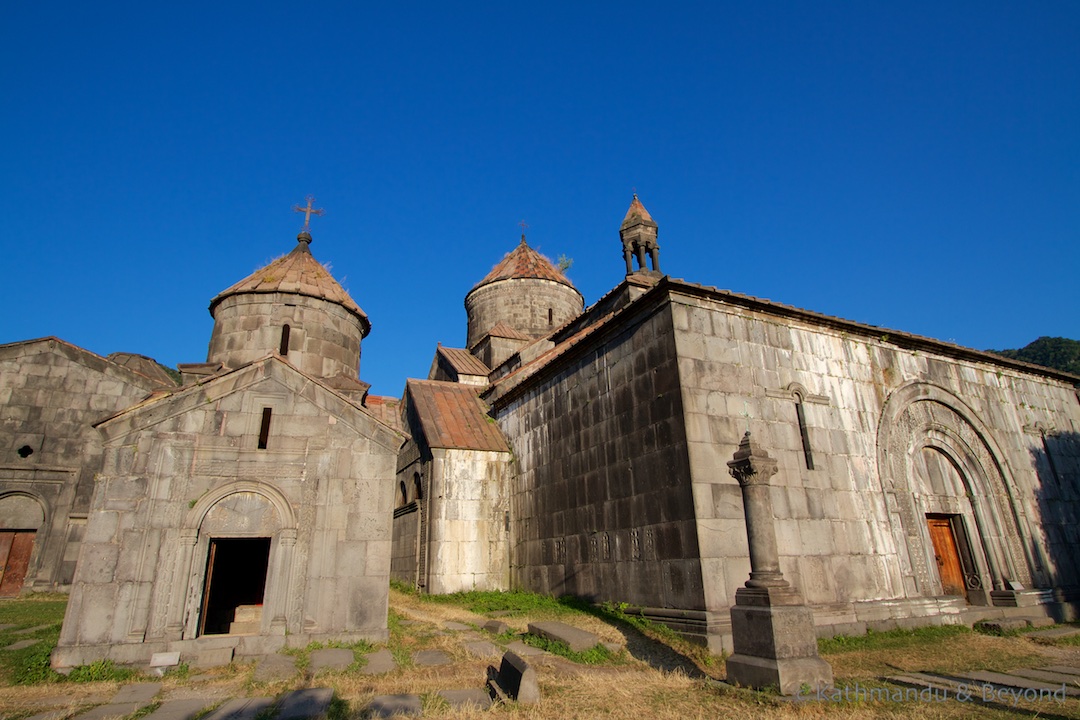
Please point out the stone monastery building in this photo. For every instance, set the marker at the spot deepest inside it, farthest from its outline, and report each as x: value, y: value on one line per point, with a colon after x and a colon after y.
x: 268, y: 498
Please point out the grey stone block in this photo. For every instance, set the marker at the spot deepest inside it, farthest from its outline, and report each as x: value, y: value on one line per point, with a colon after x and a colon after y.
x: 141, y: 693
x: 179, y: 709
x: 241, y: 709
x: 379, y: 662
x: 211, y: 657
x: 112, y: 710
x: 514, y: 680
x: 330, y: 659
x: 308, y: 704
x: 461, y: 699
x: 496, y: 627
x: 273, y: 668
x: 451, y: 625
x: 576, y: 639
x: 384, y: 706
x: 481, y: 648
x: 431, y: 658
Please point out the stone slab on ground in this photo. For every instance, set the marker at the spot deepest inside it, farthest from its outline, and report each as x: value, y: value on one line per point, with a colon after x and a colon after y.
x: 461, y: 699
x: 211, y: 657
x: 496, y: 627
x: 51, y: 715
x: 307, y: 704
x: 482, y: 648
x: 379, y: 662
x: 1050, y: 677
x: 141, y: 693
x: 451, y: 625
x: 524, y: 650
x: 996, y: 678
x: 241, y: 709
x: 384, y: 706
x: 428, y: 658
x: 576, y: 639
x: 27, y: 631
x: 1064, y: 669
x: 112, y: 710
x: 273, y: 668
x: 179, y: 709
x: 1053, y: 633
x: 22, y: 644
x: 330, y: 659
x: 514, y: 680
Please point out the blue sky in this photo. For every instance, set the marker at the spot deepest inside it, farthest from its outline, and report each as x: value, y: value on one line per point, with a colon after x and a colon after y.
x: 910, y: 165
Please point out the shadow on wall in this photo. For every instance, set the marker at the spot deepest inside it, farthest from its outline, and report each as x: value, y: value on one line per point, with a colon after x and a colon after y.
x: 1057, y: 462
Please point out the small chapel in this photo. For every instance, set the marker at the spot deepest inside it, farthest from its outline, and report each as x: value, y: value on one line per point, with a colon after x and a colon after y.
x: 265, y: 498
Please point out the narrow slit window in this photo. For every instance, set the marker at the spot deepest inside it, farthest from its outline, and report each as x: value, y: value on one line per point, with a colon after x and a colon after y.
x: 1050, y: 460
x: 807, y: 454
x: 264, y: 430
x: 284, y: 349
x: 551, y: 317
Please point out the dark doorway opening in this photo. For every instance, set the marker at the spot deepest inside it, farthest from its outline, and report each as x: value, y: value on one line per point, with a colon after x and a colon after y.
x: 235, y: 578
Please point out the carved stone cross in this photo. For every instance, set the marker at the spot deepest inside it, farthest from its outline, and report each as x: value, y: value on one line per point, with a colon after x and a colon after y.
x: 308, y: 211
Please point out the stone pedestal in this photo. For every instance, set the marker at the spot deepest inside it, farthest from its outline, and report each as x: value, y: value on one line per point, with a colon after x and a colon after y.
x: 775, y: 644
x: 772, y: 629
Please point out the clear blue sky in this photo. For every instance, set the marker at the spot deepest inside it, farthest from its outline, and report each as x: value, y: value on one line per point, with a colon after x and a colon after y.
x: 910, y: 165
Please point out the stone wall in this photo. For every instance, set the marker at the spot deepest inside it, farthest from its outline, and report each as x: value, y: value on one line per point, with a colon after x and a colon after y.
x: 531, y: 306
x: 404, y: 553
x: 601, y: 504
x: 187, y: 469
x: 324, y: 338
x: 50, y: 394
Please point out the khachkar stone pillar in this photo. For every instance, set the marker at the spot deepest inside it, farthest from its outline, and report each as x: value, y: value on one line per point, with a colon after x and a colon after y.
x: 772, y: 629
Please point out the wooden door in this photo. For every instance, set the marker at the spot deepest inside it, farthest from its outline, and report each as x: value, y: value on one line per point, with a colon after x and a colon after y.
x: 15, y: 549
x: 947, y: 556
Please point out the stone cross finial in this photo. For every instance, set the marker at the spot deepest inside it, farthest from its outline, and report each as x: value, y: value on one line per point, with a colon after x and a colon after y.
x: 523, y: 226
x: 308, y: 212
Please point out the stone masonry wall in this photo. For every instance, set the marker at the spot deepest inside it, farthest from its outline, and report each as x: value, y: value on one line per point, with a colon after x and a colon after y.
x: 324, y: 338
x: 892, y: 431
x: 531, y: 306
x: 601, y: 503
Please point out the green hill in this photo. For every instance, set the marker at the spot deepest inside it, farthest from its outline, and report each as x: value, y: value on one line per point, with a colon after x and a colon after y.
x: 1051, y: 352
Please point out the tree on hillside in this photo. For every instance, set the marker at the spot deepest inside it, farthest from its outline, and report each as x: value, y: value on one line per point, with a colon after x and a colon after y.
x: 1052, y: 352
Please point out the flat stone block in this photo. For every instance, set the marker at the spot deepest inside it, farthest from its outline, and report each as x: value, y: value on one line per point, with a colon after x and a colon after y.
x: 304, y: 704
x: 273, y: 668
x: 384, y: 706
x: 112, y: 710
x: 482, y: 648
x: 461, y: 699
x: 179, y: 709
x: 514, y: 680
x: 1063, y: 669
x: 524, y: 650
x: 451, y: 625
x: 330, y: 659
x: 141, y: 693
x: 27, y: 631
x: 789, y: 675
x: 211, y: 657
x: 241, y: 709
x: 1051, y: 677
x: 22, y: 644
x: 496, y: 627
x: 426, y: 658
x: 576, y: 639
x: 1005, y: 680
x: 164, y: 659
x: 1053, y: 633
x: 379, y: 662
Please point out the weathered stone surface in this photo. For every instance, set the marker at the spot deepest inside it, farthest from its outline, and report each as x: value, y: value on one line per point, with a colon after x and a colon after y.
x: 241, y: 709
x: 273, y: 668
x: 576, y: 639
x: 515, y: 679
x: 308, y: 704
x: 431, y: 657
x: 330, y: 659
x: 141, y: 693
x: 1053, y: 633
x: 179, y: 709
x: 523, y: 650
x: 451, y: 625
x: 461, y: 699
x: 20, y: 644
x: 379, y: 662
x: 496, y: 627
x: 481, y: 648
x: 211, y: 657
x: 384, y: 706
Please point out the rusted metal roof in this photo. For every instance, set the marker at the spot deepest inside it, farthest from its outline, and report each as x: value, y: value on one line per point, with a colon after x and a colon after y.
x: 452, y: 416
x: 637, y: 214
x: 300, y: 273
x: 463, y: 362
x: 523, y: 262
x: 502, y: 330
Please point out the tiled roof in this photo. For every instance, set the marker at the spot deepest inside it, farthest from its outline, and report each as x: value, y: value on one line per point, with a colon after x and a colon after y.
x: 524, y: 262
x: 502, y: 330
x: 299, y: 273
x: 452, y: 416
x: 637, y: 214
x: 463, y: 362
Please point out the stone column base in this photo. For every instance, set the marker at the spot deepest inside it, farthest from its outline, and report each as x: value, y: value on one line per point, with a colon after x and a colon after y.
x: 791, y: 675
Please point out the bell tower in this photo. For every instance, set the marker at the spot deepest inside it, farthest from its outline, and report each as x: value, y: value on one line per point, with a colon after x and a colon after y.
x: 638, y: 234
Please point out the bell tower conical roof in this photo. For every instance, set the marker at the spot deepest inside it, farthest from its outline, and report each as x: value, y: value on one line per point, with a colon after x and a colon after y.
x: 524, y: 263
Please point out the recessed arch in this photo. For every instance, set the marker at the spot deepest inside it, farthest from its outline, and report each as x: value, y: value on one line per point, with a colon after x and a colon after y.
x: 281, y: 505
x: 22, y: 510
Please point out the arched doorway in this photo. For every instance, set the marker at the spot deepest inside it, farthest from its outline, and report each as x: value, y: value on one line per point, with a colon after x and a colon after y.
x: 21, y: 517
x: 955, y: 517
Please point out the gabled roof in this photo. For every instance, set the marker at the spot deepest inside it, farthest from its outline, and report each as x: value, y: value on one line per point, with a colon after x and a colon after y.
x: 502, y: 330
x: 463, y: 362
x: 300, y: 273
x: 524, y: 263
x: 452, y: 416
x: 133, y: 375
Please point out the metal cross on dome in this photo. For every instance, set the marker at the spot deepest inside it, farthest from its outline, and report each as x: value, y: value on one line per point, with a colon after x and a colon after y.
x: 308, y: 212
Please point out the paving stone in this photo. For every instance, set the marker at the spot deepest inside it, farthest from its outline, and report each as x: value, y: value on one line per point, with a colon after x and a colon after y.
x: 1050, y: 677
x: 1053, y: 633
x: 577, y: 639
x: 22, y: 644
x: 241, y: 709
x: 211, y: 657
x: 384, y: 706
x: 451, y: 625
x: 141, y: 693
x: 163, y: 660
x: 272, y: 668
x: 27, y: 631
x: 112, y: 710
x: 461, y: 699
x: 524, y: 650
x: 51, y: 715
x: 427, y: 658
x: 515, y: 680
x: 379, y: 662
x: 482, y: 648
x: 305, y: 704
x: 1065, y: 669
x: 995, y: 678
x: 179, y: 709
x: 496, y: 627
x: 331, y: 659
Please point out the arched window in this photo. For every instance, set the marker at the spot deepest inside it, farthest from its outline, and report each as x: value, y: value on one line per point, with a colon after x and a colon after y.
x: 418, y: 491
x: 404, y: 493
x: 284, y: 349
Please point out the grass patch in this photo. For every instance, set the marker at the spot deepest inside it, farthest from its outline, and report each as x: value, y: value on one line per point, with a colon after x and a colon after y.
x: 99, y: 671
x: 42, y: 614
x: 513, y: 602
x: 890, y: 639
x: 596, y: 655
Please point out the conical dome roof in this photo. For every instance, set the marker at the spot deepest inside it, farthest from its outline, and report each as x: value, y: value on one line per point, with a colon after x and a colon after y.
x: 521, y: 263
x: 300, y: 273
x: 636, y: 214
